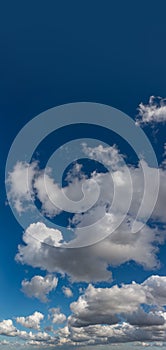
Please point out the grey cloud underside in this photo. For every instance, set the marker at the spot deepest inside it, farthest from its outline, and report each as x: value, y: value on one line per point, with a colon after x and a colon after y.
x: 90, y: 263
x: 130, y: 313
x: 102, y: 316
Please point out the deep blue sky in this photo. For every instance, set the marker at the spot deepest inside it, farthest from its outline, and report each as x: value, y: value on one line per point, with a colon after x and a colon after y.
x: 56, y: 52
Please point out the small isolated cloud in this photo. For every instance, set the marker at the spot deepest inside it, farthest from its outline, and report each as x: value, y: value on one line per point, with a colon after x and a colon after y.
x: 153, y: 112
x: 32, y: 321
x: 56, y: 316
x: 67, y: 292
x: 39, y: 287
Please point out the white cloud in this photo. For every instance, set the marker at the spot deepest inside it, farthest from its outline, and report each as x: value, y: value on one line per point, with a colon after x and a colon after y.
x: 49, y: 193
x: 32, y: 321
x: 39, y: 287
x: 90, y: 263
x: 67, y: 292
x: 156, y: 285
x: 20, y: 185
x: 56, y: 316
x: 153, y: 112
x: 109, y: 156
x: 7, y: 328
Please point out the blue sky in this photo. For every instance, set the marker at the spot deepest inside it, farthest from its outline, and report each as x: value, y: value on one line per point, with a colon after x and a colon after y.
x: 59, y: 53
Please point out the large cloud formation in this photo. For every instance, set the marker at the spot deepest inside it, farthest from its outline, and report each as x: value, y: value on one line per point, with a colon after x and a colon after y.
x: 117, y: 314
x: 101, y: 316
x: 119, y: 246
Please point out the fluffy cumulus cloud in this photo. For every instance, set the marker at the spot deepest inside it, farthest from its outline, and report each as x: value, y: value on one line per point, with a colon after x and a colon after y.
x: 153, y: 112
x: 39, y: 286
x: 130, y: 313
x: 114, y: 246
x: 7, y: 328
x: 57, y: 316
x: 90, y: 263
x: 111, y: 305
x: 32, y: 321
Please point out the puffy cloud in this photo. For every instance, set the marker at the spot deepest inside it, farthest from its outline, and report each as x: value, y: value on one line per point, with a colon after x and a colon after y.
x: 27, y: 181
x: 32, y: 321
x: 56, y: 316
x: 7, y: 328
x: 52, y: 259
x: 153, y: 112
x: 67, y: 292
x: 39, y: 287
x: 156, y: 285
x: 111, y: 305
x: 104, y: 305
x: 89, y: 263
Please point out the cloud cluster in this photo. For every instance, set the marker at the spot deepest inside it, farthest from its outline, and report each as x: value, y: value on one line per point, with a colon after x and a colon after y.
x: 101, y: 316
x: 130, y: 313
x: 43, y: 245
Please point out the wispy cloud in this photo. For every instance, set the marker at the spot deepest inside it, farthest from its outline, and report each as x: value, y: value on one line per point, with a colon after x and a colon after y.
x: 153, y: 112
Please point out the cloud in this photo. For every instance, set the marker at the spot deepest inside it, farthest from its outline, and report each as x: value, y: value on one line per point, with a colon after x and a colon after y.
x: 109, y: 156
x: 19, y: 184
x: 104, y: 305
x: 39, y: 287
x: 156, y: 285
x: 32, y: 321
x: 143, y: 319
x: 114, y: 304
x: 122, y: 333
x: 7, y: 328
x: 56, y: 316
x: 129, y: 181
x: 90, y: 263
x: 67, y: 292
x: 153, y: 112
